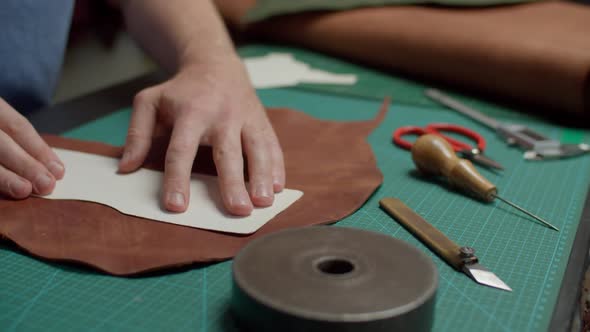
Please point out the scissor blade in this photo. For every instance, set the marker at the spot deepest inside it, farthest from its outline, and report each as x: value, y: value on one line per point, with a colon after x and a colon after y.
x: 484, y: 276
x: 485, y: 161
x: 481, y: 159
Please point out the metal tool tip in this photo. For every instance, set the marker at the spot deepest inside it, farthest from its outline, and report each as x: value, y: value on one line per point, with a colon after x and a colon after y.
x: 541, y: 220
x: 432, y: 92
x: 483, y: 276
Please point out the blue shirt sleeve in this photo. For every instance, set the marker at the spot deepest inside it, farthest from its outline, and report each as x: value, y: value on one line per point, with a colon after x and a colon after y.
x: 33, y: 36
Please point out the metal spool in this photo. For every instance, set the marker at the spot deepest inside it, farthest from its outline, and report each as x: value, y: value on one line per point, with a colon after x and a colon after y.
x: 333, y: 279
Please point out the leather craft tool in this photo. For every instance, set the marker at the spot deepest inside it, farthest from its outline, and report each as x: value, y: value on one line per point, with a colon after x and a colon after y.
x: 433, y: 155
x: 536, y: 145
x: 332, y: 279
x: 475, y: 154
x: 461, y: 258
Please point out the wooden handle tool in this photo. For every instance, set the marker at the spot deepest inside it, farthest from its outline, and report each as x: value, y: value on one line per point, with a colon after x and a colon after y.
x: 422, y: 229
x: 433, y: 155
x: 461, y: 258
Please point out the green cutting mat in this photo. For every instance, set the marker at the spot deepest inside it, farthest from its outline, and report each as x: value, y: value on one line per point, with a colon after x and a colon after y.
x: 37, y: 295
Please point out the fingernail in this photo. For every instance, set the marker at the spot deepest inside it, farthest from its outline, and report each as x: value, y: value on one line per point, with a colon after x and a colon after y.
x: 262, y: 191
x: 126, y: 156
x: 239, y: 200
x: 18, y: 187
x: 277, y: 185
x: 176, y: 199
x: 56, y: 168
x: 42, y: 183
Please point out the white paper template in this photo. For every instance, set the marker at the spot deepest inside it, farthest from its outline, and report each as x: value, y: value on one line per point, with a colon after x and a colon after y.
x: 94, y: 178
x: 282, y: 69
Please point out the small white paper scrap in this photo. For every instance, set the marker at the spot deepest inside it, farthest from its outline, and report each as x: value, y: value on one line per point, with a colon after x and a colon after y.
x: 94, y: 178
x: 282, y: 69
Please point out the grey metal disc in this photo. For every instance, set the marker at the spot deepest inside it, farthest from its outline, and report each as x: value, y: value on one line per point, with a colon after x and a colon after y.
x: 333, y: 279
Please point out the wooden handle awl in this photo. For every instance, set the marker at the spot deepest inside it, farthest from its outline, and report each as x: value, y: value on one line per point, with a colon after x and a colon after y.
x: 427, y: 233
x: 433, y: 155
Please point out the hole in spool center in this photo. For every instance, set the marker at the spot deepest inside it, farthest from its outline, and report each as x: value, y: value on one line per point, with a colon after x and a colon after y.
x: 335, y: 266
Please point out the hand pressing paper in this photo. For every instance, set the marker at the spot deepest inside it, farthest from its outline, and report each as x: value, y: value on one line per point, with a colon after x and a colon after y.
x: 330, y: 161
x: 93, y: 178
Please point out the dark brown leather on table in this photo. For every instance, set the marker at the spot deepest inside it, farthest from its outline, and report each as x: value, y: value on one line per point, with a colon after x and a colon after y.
x: 536, y: 53
x: 331, y: 162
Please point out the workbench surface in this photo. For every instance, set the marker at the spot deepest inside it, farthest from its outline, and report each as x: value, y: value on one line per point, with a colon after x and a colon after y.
x: 532, y: 259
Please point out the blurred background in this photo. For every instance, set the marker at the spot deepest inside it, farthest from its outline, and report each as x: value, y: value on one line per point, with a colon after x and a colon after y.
x: 100, y: 53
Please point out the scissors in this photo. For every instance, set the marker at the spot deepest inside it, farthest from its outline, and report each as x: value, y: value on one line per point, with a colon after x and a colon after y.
x: 475, y: 154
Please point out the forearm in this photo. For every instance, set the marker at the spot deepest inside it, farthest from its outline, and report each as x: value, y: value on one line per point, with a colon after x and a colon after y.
x: 178, y: 33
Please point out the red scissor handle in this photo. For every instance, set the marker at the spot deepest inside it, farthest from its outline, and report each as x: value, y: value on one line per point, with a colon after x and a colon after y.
x: 405, y: 131
x: 439, y: 129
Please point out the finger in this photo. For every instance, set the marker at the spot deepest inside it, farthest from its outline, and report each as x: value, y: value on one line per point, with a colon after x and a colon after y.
x: 14, y: 186
x: 22, y: 132
x: 180, y: 156
x: 227, y: 155
x: 140, y: 132
x: 15, y: 159
x: 260, y: 167
x: 278, y: 165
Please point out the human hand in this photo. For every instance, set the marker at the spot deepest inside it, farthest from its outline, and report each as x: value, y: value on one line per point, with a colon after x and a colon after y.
x: 27, y: 164
x: 209, y: 103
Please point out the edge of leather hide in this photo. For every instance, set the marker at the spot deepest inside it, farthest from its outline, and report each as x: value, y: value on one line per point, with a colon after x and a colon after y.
x: 286, y: 219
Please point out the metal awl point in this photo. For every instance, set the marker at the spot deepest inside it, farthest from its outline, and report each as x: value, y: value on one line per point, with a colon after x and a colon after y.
x: 536, y: 217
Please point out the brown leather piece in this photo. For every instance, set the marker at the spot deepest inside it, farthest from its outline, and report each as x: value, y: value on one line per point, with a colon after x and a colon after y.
x: 331, y: 162
x: 536, y: 53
